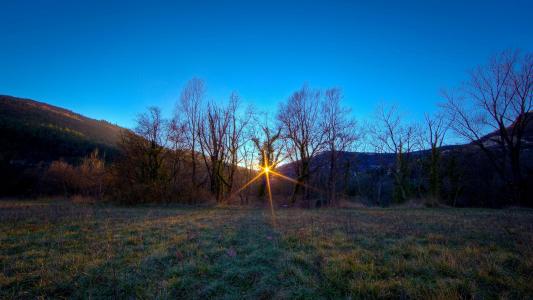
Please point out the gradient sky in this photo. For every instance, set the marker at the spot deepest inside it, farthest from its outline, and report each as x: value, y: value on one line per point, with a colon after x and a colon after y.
x: 112, y: 59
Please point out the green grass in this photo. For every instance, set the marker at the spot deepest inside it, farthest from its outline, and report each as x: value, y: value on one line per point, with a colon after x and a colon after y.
x: 58, y: 249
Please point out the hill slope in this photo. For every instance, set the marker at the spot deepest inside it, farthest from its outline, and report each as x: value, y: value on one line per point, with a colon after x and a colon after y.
x: 32, y: 131
x: 33, y: 134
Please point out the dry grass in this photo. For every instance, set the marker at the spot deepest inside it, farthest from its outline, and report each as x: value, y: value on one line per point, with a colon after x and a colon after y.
x: 60, y: 249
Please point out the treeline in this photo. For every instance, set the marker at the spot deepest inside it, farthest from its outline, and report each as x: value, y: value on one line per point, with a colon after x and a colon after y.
x: 209, y: 151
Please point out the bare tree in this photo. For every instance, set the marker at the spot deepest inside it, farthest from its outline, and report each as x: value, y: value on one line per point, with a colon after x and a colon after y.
x: 249, y: 160
x: 61, y: 174
x: 141, y: 174
x: 300, y: 117
x: 212, y: 134
x: 177, y: 144
x: 191, y: 105
x: 92, y: 175
x: 220, y: 138
x: 432, y: 138
x: 267, y: 143
x: 390, y: 135
x: 340, y: 135
x: 236, y: 137
x: 151, y: 127
x: 497, y: 98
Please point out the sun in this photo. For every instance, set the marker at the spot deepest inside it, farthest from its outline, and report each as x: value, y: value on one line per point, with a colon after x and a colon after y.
x: 266, y: 169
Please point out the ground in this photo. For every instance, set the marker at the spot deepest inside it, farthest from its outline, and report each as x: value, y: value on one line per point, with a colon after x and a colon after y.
x: 59, y: 249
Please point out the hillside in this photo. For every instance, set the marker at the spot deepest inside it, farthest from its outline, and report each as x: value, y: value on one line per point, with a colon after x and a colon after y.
x: 32, y: 131
x: 33, y: 134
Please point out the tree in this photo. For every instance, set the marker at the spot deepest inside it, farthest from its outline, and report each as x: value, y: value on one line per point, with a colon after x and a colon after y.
x: 191, y: 106
x: 249, y: 161
x: 236, y: 137
x: 141, y: 173
x: 497, y: 98
x: 269, y: 150
x: 220, y: 138
x: 177, y: 143
x: 300, y: 119
x: 62, y: 175
x: 340, y: 135
x: 92, y: 175
x: 433, y: 138
x: 390, y: 135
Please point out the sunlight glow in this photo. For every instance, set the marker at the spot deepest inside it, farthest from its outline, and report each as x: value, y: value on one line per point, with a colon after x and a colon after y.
x: 266, y: 170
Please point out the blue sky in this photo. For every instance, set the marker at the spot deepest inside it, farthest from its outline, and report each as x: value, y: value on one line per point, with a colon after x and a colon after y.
x: 112, y: 59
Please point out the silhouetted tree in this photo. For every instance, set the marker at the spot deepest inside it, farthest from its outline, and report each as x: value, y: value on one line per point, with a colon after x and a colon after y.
x: 391, y: 135
x: 498, y: 98
x: 269, y: 150
x: 177, y: 160
x: 432, y: 139
x: 301, y: 127
x: 220, y: 138
x: 340, y: 135
x: 191, y: 106
x: 141, y: 173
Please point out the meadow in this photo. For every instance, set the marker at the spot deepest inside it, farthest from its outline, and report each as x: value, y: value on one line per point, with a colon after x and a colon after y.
x: 58, y: 249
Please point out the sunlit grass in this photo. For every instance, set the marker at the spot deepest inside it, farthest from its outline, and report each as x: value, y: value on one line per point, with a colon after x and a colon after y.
x: 57, y: 249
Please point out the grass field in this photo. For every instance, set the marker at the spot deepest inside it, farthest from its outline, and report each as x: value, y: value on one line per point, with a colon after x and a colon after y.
x: 59, y: 249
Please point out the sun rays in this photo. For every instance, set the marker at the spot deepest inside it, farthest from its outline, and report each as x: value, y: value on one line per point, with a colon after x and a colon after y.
x: 266, y: 171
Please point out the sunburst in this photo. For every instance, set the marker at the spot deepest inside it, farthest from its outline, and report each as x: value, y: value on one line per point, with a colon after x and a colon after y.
x: 267, y: 170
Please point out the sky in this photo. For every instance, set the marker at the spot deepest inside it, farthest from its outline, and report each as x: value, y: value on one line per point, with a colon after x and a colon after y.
x: 113, y: 59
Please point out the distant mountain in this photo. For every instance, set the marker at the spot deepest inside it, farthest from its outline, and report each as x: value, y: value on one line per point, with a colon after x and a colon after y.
x: 365, y: 161
x: 33, y: 132
x: 491, y: 139
x: 356, y: 161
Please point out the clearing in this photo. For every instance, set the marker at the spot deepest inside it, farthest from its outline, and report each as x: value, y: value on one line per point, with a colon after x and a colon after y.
x: 59, y: 249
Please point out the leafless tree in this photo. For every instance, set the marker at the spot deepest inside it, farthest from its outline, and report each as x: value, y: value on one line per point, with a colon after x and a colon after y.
x: 236, y: 137
x: 151, y: 127
x: 212, y: 134
x: 177, y: 149
x: 267, y: 143
x: 141, y: 174
x: 340, y: 135
x: 249, y: 161
x: 220, y: 138
x: 432, y: 138
x: 61, y: 174
x: 497, y: 98
x: 92, y: 175
x: 300, y: 119
x: 190, y: 106
x: 390, y: 135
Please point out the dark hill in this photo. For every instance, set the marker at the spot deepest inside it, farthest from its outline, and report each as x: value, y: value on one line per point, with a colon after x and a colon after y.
x: 33, y: 134
x: 32, y: 131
